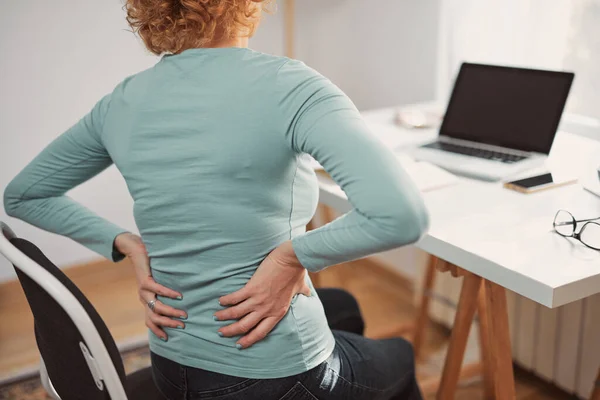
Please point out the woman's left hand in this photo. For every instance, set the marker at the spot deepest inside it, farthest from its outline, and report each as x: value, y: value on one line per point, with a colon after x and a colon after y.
x: 265, y: 299
x: 133, y: 247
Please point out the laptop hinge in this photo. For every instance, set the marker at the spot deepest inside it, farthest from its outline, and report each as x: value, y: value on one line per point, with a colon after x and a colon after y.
x: 92, y: 365
x: 478, y: 145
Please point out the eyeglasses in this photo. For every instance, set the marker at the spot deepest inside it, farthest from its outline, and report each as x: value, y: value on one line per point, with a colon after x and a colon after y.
x: 565, y: 225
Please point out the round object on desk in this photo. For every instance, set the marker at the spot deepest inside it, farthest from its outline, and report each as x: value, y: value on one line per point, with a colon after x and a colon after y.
x: 416, y: 119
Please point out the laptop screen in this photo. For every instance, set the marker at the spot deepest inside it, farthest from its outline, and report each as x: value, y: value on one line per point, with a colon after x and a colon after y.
x: 510, y: 107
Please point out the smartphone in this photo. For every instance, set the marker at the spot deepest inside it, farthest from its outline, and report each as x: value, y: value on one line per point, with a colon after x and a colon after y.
x: 538, y: 183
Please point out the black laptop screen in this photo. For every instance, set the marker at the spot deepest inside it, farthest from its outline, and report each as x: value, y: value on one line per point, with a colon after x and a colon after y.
x: 509, y: 107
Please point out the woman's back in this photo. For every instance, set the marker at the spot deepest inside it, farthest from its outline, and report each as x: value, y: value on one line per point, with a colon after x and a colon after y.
x: 205, y: 157
x: 216, y: 187
x: 210, y: 142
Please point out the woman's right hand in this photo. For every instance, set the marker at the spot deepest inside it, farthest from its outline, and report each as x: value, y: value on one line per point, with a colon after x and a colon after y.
x: 162, y: 315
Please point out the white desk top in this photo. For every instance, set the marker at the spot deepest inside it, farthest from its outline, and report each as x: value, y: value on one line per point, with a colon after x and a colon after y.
x: 501, y: 235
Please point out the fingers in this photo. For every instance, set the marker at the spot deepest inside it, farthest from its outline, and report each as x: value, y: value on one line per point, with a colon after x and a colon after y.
x: 235, y: 312
x: 155, y: 321
x: 235, y: 297
x: 242, y: 326
x: 162, y: 309
x: 164, y: 322
x: 156, y: 329
x: 149, y: 284
x: 143, y: 273
x: 162, y: 314
x: 259, y: 333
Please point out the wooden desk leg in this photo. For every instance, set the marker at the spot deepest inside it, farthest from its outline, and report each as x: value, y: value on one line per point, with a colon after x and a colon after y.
x: 499, y: 337
x: 423, y: 311
x: 484, y: 345
x: 460, y: 333
x: 596, y: 391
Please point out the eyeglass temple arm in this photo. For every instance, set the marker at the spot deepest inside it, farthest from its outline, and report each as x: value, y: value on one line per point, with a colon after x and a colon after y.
x: 587, y: 220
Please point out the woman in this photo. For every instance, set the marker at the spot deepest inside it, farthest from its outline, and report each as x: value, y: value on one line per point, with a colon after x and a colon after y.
x: 210, y: 143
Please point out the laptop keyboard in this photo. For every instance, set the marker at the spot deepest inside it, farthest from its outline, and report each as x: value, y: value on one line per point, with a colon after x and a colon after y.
x: 475, y: 152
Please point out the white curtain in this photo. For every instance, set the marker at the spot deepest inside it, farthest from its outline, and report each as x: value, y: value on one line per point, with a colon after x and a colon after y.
x: 583, y: 57
x: 547, y: 34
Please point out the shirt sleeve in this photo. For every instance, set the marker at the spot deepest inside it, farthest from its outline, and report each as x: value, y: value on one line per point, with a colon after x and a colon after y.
x: 388, y: 210
x: 37, y: 195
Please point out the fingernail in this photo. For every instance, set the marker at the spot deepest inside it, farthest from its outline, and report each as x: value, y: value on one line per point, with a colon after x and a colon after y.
x: 164, y: 339
x: 183, y: 316
x: 238, y: 346
x: 215, y: 318
x: 220, y: 333
x: 180, y: 326
x: 220, y: 303
x: 180, y: 297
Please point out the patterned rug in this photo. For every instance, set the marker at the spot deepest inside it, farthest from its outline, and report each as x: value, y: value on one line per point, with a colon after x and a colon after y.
x: 31, y: 389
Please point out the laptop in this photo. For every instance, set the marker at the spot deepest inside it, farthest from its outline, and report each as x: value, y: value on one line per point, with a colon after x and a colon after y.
x: 499, y: 121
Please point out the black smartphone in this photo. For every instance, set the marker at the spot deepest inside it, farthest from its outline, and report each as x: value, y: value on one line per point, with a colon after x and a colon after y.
x: 538, y: 182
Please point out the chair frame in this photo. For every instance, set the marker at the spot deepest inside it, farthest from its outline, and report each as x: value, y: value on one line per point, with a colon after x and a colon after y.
x: 105, y: 367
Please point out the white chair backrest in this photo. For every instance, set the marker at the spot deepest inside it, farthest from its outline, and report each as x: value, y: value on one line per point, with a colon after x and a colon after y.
x: 63, y: 296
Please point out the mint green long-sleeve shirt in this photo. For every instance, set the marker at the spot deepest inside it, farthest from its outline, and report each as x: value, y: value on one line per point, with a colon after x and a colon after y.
x: 210, y: 144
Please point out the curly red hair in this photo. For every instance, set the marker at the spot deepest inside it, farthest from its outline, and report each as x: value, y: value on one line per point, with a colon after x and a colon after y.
x: 172, y: 26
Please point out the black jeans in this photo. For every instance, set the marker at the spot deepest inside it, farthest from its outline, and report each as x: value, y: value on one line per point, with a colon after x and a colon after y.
x: 358, y: 369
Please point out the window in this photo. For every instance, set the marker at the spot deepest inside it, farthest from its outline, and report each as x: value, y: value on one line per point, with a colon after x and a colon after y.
x: 557, y: 34
x: 583, y: 56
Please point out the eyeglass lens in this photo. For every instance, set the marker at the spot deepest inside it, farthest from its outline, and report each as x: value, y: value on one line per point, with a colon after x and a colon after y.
x: 590, y: 235
x: 564, y: 223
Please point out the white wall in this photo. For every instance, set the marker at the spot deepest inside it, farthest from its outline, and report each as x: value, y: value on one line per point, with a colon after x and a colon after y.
x: 380, y: 53
x: 59, y: 57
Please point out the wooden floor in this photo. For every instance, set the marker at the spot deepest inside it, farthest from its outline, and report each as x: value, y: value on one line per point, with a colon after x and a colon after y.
x: 385, y: 299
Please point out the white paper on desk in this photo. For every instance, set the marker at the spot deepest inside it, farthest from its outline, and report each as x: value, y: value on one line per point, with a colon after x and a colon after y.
x: 425, y: 175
